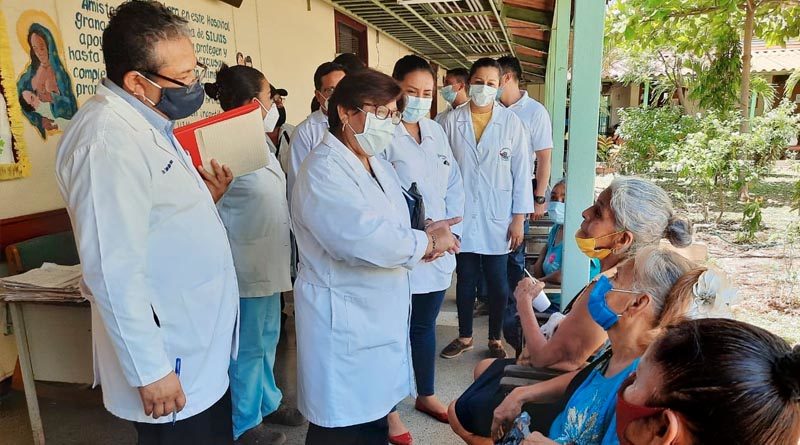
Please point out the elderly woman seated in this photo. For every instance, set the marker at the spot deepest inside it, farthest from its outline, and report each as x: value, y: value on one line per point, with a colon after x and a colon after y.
x: 630, y: 306
x: 628, y: 215
x: 711, y: 381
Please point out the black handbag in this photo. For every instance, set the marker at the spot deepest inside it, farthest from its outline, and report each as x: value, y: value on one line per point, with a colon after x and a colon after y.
x: 416, y: 206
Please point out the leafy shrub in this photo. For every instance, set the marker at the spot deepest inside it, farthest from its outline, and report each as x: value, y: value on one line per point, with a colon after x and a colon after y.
x: 647, y: 133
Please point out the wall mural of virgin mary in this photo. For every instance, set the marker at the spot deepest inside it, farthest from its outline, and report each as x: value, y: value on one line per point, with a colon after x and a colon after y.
x: 45, y: 88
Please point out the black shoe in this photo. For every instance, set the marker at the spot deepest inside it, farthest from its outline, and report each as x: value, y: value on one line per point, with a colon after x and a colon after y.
x: 285, y: 415
x: 455, y: 348
x: 261, y: 436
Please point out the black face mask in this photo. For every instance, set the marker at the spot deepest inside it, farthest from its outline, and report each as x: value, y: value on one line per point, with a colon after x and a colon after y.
x: 281, y: 117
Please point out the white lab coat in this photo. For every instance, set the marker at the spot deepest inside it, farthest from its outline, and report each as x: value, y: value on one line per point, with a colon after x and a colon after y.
x: 536, y: 120
x: 496, y: 173
x: 307, y: 135
x: 440, y: 117
x: 352, y: 293
x: 151, y: 244
x: 432, y: 166
x: 256, y: 214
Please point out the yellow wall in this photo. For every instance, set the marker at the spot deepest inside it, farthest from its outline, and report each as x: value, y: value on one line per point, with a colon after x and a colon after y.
x: 284, y: 39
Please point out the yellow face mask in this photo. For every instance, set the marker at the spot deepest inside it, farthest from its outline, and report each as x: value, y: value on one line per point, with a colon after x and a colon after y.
x: 589, y: 246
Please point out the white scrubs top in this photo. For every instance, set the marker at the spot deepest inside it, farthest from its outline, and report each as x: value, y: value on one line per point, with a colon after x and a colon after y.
x: 536, y: 119
x: 256, y: 215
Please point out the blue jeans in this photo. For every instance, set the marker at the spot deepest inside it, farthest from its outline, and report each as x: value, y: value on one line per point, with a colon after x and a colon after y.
x: 494, y: 268
x: 424, y: 309
x: 253, y: 387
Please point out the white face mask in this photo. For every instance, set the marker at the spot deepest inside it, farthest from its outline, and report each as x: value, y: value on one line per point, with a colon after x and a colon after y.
x: 482, y: 95
x: 271, y: 118
x: 377, y: 134
x: 416, y: 108
x: 324, y: 106
x: 557, y: 211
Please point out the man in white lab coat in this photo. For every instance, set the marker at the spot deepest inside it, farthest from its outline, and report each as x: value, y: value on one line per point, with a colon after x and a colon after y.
x: 309, y: 133
x: 454, y: 92
x: 536, y: 120
x: 156, y: 262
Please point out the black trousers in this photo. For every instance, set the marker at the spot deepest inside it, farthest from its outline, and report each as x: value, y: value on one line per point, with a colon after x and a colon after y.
x: 213, y: 426
x: 371, y: 433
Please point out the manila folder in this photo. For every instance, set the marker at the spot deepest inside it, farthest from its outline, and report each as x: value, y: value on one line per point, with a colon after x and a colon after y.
x: 239, y: 143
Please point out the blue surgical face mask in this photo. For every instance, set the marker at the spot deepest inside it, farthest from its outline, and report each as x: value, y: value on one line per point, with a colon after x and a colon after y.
x: 556, y: 210
x: 482, y: 95
x: 416, y: 108
x: 179, y: 102
x: 499, y: 93
x: 449, y: 94
x: 598, y: 307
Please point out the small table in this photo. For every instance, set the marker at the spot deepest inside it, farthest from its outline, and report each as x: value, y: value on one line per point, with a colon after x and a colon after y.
x: 62, y: 353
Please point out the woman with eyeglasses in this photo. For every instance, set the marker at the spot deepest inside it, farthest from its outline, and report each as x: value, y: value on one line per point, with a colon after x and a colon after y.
x: 420, y: 154
x: 491, y: 147
x: 357, y: 250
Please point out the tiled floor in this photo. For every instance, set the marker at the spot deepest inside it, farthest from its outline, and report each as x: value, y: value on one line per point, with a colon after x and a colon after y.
x: 75, y: 415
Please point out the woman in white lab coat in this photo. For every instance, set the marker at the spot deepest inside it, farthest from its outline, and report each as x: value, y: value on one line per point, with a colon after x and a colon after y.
x: 420, y: 153
x: 357, y: 249
x: 490, y: 144
x: 256, y: 215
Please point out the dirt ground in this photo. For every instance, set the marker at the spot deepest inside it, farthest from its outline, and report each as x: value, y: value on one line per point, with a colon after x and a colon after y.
x: 766, y: 271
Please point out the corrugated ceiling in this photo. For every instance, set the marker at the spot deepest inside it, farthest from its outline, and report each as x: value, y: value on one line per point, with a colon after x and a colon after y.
x: 455, y: 33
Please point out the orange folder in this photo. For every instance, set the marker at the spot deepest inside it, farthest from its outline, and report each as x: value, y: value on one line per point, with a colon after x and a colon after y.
x: 187, y: 135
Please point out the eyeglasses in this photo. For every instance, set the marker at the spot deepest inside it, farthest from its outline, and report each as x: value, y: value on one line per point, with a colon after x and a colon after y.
x: 200, y: 72
x: 328, y: 92
x: 383, y: 112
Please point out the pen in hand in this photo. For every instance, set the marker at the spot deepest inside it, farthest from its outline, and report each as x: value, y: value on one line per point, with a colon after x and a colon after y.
x: 177, y: 373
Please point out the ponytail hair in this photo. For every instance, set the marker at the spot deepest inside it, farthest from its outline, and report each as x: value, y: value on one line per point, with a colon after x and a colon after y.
x: 731, y: 382
x: 235, y: 86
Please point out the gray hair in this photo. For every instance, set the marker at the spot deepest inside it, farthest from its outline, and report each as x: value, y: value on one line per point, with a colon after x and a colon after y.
x: 645, y: 210
x: 656, y: 270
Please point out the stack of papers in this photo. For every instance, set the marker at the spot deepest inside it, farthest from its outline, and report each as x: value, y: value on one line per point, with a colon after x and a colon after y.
x: 51, y: 282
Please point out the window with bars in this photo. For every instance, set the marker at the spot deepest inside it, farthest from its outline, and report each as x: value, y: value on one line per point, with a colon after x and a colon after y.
x: 351, y: 36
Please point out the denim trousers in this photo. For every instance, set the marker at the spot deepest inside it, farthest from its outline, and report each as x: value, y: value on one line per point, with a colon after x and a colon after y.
x: 494, y: 269
x: 424, y: 309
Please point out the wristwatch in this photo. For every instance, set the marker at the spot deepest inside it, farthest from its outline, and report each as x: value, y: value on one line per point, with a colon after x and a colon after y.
x: 539, y: 199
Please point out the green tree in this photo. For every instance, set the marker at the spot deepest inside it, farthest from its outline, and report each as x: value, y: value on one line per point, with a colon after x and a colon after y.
x: 706, y: 32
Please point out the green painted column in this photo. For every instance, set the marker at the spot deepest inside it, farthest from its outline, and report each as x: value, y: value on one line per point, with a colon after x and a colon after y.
x: 583, y: 117
x: 646, y: 95
x: 753, y: 103
x: 556, y: 84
